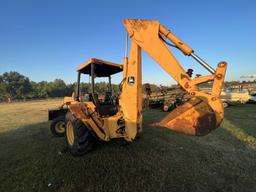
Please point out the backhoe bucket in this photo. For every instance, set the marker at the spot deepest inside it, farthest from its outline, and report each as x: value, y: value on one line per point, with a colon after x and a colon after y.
x: 195, y: 117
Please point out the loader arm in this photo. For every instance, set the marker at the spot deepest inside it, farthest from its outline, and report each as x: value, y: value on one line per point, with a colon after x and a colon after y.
x: 201, y: 114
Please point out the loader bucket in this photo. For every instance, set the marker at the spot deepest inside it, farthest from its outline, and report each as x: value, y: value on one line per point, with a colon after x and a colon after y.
x: 195, y: 117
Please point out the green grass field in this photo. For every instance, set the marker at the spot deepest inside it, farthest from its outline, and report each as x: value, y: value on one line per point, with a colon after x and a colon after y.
x: 32, y: 160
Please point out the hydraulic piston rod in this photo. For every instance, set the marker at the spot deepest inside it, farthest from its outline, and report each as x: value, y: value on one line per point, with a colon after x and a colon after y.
x: 203, y: 63
x: 184, y: 48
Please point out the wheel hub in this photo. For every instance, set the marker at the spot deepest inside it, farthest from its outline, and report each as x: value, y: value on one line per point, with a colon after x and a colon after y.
x: 70, y: 133
x: 60, y: 127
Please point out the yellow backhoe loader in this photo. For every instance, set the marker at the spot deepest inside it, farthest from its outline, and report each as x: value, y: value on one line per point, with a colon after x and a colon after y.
x: 84, y: 121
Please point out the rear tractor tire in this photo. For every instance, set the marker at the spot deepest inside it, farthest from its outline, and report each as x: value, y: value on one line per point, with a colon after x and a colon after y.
x: 78, y: 136
x: 58, y: 126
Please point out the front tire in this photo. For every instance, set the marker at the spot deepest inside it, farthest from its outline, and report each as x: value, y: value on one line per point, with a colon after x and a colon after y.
x: 58, y: 126
x: 78, y: 136
x: 225, y: 105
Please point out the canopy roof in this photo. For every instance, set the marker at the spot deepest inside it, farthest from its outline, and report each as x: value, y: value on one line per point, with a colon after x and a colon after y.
x: 101, y: 68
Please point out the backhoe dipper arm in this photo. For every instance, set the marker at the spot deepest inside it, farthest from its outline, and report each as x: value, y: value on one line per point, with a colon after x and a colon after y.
x: 203, y: 112
x: 183, y: 47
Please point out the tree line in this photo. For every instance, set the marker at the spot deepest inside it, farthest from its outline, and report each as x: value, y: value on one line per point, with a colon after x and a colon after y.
x: 15, y: 86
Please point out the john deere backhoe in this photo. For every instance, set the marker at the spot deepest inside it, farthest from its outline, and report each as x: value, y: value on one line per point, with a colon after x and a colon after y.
x: 85, y: 121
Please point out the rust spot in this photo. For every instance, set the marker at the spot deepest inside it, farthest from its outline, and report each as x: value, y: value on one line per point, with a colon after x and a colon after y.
x: 206, y: 123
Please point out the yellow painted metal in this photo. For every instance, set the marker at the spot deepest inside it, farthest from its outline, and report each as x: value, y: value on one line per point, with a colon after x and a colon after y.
x: 114, y: 130
x: 103, y: 128
x: 70, y: 133
x: 204, y: 112
x: 131, y: 96
x: 200, y: 80
x: 145, y: 33
x: 85, y: 111
x: 69, y: 100
x: 180, y: 44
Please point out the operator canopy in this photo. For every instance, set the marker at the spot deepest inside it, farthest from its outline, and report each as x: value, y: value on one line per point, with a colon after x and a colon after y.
x: 101, y: 68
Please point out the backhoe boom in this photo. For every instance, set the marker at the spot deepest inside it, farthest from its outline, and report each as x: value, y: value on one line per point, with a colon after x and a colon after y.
x: 203, y: 113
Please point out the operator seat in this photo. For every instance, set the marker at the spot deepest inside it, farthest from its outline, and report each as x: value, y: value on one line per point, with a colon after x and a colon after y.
x: 108, y: 98
x: 104, y: 109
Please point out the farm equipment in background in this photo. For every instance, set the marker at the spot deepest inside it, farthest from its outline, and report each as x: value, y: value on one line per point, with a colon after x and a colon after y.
x: 86, y: 121
x: 230, y: 97
x: 168, y: 100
